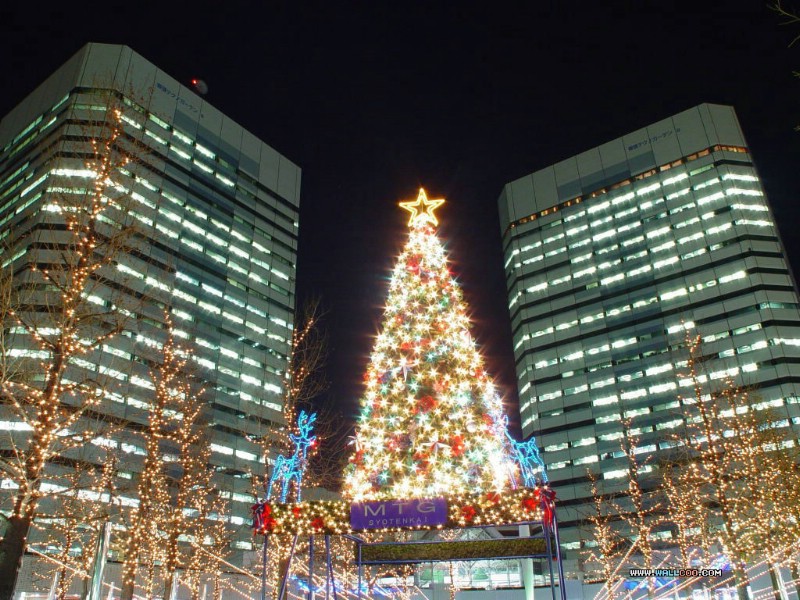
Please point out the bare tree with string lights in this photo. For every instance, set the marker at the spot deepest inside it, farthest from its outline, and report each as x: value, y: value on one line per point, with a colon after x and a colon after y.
x: 71, y: 536
x: 609, y: 546
x: 685, y: 513
x: 731, y: 459
x: 57, y: 316
x: 642, y: 505
x: 176, y: 493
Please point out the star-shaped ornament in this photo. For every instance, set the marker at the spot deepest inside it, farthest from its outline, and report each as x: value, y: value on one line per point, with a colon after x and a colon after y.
x: 422, y: 209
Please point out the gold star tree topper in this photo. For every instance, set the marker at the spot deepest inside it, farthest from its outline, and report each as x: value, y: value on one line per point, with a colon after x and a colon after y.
x: 422, y: 209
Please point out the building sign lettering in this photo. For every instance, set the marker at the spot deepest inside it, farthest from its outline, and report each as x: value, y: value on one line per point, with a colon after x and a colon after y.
x: 656, y: 138
x: 181, y: 101
x: 398, y: 513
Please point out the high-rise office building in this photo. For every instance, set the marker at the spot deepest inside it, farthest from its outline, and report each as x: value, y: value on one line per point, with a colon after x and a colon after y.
x: 611, y: 256
x: 216, y: 215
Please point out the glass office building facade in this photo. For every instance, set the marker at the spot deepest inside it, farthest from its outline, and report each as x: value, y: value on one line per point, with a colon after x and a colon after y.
x: 216, y: 214
x: 613, y: 255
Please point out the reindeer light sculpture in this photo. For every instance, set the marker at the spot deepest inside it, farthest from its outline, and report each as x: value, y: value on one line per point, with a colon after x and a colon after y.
x: 526, y: 455
x: 292, y: 468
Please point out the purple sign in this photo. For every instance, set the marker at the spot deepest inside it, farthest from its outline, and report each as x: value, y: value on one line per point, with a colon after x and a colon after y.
x: 398, y: 513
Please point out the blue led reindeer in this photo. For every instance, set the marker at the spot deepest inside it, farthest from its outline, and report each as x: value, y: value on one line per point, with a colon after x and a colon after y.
x: 526, y: 455
x: 292, y: 468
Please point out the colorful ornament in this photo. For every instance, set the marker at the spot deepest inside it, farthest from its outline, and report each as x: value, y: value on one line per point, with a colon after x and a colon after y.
x: 530, y: 504
x: 426, y: 403
x: 468, y: 513
x: 457, y: 445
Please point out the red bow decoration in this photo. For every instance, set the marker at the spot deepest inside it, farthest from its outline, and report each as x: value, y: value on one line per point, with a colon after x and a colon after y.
x: 260, y: 511
x: 422, y: 459
x: 262, y: 517
x: 530, y: 504
x: 546, y: 497
x: 457, y: 445
x: 358, y: 457
x: 318, y: 524
x: 468, y: 512
x: 426, y: 403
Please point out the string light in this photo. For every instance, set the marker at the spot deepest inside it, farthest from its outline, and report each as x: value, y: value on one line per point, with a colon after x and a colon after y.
x: 463, y: 510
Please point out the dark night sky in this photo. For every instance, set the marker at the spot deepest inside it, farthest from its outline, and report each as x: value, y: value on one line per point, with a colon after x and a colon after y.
x: 375, y: 99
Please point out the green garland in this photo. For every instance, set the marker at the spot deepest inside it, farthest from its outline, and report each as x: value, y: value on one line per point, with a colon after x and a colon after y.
x: 464, y: 510
x: 455, y: 550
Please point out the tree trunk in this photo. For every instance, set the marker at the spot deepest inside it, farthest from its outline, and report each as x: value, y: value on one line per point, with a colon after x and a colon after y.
x: 171, y: 564
x: 169, y: 581
x: 130, y: 566
x: 740, y: 579
x: 150, y: 582
x: 86, y: 587
x: 64, y: 581
x: 12, y: 550
x: 128, y: 578
x: 775, y: 578
x: 609, y: 589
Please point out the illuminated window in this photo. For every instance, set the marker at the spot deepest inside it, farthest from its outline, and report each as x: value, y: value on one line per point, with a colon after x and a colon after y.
x: 205, y: 151
x: 665, y: 262
x: 605, y: 400
x: 648, y: 189
x: 705, y: 184
x: 192, y: 244
x: 663, y: 387
x: 210, y: 307
x: 556, y: 447
x: 609, y: 418
x: 157, y: 138
x: 561, y: 280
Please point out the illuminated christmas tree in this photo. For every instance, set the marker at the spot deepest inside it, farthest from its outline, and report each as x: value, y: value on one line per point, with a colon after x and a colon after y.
x: 431, y: 422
